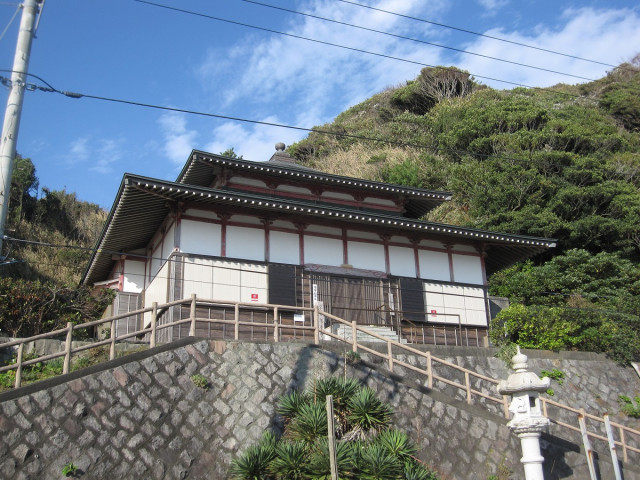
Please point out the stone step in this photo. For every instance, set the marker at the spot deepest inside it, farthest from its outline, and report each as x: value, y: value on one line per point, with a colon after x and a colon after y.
x: 345, y: 332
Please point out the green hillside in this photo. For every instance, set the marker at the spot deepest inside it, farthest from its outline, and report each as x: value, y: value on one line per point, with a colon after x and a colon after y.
x: 562, y: 162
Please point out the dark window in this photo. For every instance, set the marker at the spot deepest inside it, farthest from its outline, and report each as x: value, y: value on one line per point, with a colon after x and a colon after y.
x: 412, y: 299
x: 282, y: 284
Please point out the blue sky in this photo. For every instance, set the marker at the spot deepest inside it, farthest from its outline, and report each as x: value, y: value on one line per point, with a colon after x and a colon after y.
x: 133, y: 51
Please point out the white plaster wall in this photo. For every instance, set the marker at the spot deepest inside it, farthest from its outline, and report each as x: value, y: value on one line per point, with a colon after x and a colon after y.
x: 467, y: 269
x: 198, y: 275
x: 195, y: 212
x: 368, y: 256
x: 451, y: 301
x: 245, y: 243
x: 402, y: 261
x: 323, y: 251
x: 226, y: 280
x: 200, y: 238
x: 434, y: 265
x: 133, y: 276
x: 156, y: 291
x: 351, y: 234
x: 284, y: 248
x: 169, y: 242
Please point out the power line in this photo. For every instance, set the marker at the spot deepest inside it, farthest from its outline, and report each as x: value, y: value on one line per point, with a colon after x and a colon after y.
x: 10, y: 22
x: 322, y: 42
x: 477, y: 33
x: 433, y: 148
x: 416, y: 40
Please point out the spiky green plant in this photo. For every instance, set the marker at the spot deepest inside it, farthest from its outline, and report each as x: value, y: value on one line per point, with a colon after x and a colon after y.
x: 290, y: 462
x: 253, y: 464
x: 368, y: 414
x: 341, y: 389
x: 368, y: 450
x: 415, y: 471
x: 309, y: 424
x: 319, y: 462
x: 290, y: 403
x: 397, y: 443
x: 373, y: 462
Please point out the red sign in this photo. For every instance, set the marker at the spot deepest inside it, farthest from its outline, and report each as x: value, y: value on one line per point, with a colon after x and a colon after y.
x: 254, y: 297
x: 434, y: 313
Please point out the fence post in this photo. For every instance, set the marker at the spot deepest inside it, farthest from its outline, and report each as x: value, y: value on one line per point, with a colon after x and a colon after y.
x: 236, y: 319
x: 154, y: 319
x: 390, y: 353
x: 354, y: 336
x: 612, y: 447
x: 112, y: 349
x: 429, y: 371
x: 275, y: 324
x: 192, y: 315
x: 67, y: 349
x: 316, y: 325
x: 19, y: 360
x: 467, y: 383
x: 625, y: 456
x: 587, y: 444
x: 505, y: 404
x: 331, y: 427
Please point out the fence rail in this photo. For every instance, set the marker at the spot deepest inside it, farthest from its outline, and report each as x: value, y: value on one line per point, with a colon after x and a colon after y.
x: 472, y: 385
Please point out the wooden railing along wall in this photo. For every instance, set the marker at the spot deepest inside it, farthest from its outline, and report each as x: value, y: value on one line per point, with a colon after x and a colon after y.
x: 474, y: 387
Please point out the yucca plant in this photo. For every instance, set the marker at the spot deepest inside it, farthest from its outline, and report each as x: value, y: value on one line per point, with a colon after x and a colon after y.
x: 397, y: 443
x: 290, y: 462
x: 373, y: 462
x: 368, y: 450
x: 367, y: 414
x: 309, y: 424
x: 319, y: 463
x: 415, y: 471
x: 342, y: 391
x: 253, y: 464
x: 290, y: 403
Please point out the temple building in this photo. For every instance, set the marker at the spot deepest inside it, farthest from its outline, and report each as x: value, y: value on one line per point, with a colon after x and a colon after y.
x: 276, y: 232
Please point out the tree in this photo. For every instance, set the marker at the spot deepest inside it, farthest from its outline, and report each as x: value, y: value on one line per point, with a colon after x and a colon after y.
x: 229, y: 152
x: 23, y: 183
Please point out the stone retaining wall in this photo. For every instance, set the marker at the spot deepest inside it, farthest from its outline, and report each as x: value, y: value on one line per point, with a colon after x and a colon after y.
x: 141, y: 416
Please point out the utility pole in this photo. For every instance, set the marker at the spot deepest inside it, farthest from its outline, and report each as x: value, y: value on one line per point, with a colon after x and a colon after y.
x: 12, y: 114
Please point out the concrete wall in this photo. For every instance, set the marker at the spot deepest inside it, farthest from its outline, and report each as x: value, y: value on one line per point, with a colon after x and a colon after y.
x: 141, y: 416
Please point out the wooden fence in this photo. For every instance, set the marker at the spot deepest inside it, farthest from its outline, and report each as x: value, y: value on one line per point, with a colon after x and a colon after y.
x: 474, y: 387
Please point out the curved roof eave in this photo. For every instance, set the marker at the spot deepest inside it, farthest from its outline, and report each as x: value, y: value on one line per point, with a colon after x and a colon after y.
x: 142, y: 204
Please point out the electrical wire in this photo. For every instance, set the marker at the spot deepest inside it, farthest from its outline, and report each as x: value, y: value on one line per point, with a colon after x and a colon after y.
x: 477, y: 33
x: 433, y: 148
x: 10, y: 22
x: 322, y: 42
x: 416, y: 40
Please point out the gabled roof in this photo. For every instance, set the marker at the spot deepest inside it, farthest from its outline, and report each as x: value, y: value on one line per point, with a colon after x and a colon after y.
x: 142, y: 204
x: 199, y: 171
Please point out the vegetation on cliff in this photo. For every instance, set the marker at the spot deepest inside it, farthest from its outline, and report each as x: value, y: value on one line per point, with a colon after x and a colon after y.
x: 561, y: 163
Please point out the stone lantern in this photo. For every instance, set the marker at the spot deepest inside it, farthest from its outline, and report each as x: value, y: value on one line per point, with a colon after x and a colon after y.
x: 528, y: 422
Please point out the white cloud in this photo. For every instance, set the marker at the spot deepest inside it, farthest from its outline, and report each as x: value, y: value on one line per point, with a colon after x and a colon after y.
x: 107, y: 153
x: 253, y: 142
x: 303, y: 75
x: 98, y: 155
x: 493, y: 5
x: 586, y: 33
x: 78, y: 151
x: 178, y: 141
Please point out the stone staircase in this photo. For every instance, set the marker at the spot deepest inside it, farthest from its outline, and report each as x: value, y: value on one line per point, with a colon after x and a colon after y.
x: 345, y: 331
